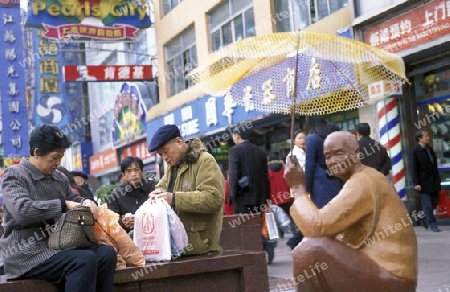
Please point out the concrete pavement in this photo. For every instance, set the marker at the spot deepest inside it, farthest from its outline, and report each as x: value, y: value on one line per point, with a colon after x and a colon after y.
x: 434, y: 262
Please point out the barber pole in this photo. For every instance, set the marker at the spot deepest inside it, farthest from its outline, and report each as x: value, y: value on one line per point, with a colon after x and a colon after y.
x: 388, y: 118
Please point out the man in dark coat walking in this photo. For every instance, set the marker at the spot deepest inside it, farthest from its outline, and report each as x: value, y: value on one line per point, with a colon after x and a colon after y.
x: 425, y: 176
x: 247, y: 159
x: 372, y: 153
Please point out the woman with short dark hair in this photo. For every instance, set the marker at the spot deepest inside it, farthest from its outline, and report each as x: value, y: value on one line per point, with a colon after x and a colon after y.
x: 35, y: 195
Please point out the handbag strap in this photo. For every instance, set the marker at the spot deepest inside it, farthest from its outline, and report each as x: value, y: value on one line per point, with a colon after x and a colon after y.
x: 109, y: 235
x: 83, y: 226
x: 86, y: 235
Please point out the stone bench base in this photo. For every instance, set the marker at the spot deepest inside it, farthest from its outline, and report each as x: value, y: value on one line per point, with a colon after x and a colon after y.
x: 241, y: 267
x: 231, y: 270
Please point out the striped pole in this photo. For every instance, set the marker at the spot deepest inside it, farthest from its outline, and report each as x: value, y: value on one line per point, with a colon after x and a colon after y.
x: 389, y: 125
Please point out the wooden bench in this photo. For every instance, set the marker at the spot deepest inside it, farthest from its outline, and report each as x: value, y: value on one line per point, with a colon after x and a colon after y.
x: 241, y: 267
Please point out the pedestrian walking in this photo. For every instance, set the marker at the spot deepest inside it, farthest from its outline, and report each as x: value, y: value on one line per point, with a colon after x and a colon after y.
x: 425, y: 176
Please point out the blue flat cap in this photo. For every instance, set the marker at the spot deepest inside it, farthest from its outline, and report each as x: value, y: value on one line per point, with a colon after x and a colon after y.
x: 162, y: 136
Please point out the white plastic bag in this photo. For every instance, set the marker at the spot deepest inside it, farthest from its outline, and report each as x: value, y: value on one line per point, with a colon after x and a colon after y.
x: 281, y: 217
x: 151, y: 230
x: 272, y: 227
x: 178, y: 235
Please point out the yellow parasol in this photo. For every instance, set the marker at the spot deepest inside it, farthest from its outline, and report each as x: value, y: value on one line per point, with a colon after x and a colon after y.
x: 306, y: 73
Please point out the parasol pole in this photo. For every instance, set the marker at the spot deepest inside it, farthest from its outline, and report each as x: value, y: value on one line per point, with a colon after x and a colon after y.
x: 294, y: 94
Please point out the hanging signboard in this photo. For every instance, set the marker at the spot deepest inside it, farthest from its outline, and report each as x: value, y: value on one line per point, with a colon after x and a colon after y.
x: 129, y: 116
x: 108, y: 73
x: 92, y: 19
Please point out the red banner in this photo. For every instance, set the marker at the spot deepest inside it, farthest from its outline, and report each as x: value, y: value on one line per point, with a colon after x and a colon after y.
x: 139, y: 149
x: 118, y: 32
x: 121, y: 73
x: 416, y: 27
x: 103, y: 161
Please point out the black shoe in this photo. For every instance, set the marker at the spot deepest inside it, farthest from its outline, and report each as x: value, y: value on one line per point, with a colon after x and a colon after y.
x: 294, y: 241
x: 424, y: 223
x: 435, y: 229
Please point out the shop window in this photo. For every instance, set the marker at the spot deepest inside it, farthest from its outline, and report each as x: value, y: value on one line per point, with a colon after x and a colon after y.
x: 181, y: 56
x: 294, y: 15
x: 168, y: 5
x: 432, y: 91
x: 231, y: 21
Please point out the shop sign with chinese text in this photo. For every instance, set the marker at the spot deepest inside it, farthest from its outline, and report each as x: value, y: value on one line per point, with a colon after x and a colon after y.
x: 205, y: 116
x: 383, y: 88
x: 93, y: 19
x: 423, y: 24
x: 108, y: 73
x: 12, y: 84
x: 139, y: 149
x: 103, y: 161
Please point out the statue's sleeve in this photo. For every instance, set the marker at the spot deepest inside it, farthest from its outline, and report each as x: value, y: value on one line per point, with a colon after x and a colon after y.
x: 352, y: 203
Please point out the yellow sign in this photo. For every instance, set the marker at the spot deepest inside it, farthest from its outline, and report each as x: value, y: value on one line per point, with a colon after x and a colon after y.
x: 81, y: 10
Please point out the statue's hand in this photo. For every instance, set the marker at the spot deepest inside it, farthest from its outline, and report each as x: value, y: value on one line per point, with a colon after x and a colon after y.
x: 293, y: 175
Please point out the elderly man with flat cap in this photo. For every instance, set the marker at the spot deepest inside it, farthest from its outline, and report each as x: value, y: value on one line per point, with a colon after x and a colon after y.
x: 193, y: 185
x: 363, y: 239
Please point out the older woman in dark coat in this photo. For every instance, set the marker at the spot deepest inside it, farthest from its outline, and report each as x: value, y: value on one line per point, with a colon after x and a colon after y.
x: 35, y: 195
x: 320, y: 183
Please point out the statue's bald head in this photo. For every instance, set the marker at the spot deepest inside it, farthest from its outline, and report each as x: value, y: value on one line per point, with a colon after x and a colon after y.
x: 347, y: 139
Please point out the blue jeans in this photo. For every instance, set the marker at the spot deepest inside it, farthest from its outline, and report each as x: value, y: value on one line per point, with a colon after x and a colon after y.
x: 84, y: 270
x: 429, y: 202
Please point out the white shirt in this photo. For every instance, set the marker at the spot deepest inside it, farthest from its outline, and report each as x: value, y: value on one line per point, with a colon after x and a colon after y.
x: 301, y: 156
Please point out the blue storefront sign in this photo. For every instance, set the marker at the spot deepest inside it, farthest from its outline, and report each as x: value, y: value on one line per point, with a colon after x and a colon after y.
x: 12, y: 84
x: 204, y: 116
x: 50, y: 106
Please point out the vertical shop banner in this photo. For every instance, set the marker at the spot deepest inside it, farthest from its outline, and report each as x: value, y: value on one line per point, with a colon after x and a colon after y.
x: 49, y: 104
x: 72, y: 93
x: 80, y: 156
x: 129, y: 116
x: 12, y: 84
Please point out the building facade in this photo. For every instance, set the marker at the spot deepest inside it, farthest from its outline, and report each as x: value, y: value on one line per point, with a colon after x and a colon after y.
x: 188, y: 31
x: 420, y: 33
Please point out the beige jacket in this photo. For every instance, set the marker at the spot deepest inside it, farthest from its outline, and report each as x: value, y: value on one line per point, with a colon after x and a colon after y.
x: 349, y: 217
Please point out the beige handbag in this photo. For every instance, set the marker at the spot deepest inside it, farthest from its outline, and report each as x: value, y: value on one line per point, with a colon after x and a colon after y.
x: 74, y: 230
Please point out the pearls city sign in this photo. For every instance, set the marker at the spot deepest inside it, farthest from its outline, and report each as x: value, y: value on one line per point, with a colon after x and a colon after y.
x: 99, y: 19
x: 116, y: 8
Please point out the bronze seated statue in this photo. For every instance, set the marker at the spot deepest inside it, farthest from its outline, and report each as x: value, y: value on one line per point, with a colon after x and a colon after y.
x: 363, y: 239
